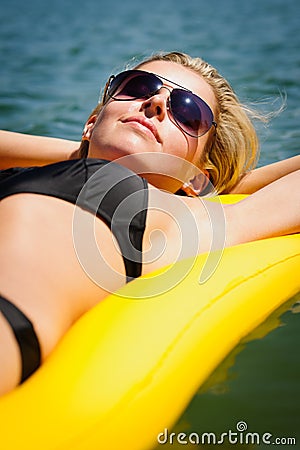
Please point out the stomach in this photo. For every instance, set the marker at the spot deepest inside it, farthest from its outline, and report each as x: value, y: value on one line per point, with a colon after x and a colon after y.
x: 48, y: 274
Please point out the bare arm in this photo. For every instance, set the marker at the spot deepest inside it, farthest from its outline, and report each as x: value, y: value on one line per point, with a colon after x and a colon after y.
x: 25, y: 150
x: 258, y: 178
x: 272, y: 211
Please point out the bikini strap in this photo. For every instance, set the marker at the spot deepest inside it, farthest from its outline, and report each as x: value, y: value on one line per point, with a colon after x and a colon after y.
x: 25, y: 335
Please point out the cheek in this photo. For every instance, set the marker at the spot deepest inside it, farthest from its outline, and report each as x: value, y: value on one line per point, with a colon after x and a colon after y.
x: 105, y: 116
x: 188, y: 148
x: 109, y: 113
x: 104, y: 125
x: 175, y: 142
x: 200, y: 149
x: 109, y: 118
x: 180, y: 144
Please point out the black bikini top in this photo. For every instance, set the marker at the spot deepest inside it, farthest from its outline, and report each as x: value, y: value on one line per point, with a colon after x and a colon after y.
x: 114, y: 193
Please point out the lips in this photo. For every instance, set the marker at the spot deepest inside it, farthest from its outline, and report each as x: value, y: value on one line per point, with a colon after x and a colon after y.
x: 145, y: 123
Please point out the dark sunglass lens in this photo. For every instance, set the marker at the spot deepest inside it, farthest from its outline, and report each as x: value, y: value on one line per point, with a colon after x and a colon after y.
x: 133, y: 85
x: 191, y: 113
x: 115, y: 83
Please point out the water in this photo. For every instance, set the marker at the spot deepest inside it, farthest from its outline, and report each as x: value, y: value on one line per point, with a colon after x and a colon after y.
x: 54, y: 58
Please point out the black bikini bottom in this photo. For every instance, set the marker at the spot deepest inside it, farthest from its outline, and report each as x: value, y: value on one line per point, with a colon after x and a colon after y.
x: 25, y: 335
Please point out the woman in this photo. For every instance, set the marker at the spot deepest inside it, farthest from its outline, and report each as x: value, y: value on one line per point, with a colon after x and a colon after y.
x: 228, y: 161
x: 164, y: 122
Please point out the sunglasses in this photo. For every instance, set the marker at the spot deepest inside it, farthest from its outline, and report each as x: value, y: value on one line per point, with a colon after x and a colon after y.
x: 189, y: 111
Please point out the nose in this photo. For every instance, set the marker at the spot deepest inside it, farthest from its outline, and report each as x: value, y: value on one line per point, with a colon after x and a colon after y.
x: 157, y: 104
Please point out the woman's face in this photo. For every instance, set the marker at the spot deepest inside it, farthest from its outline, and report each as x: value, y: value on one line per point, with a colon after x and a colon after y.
x: 142, y: 126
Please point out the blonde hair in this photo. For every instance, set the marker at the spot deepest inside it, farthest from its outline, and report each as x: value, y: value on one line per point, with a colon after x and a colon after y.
x: 232, y: 148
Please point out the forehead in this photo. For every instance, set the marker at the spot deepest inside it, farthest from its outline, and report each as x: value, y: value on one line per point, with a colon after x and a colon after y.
x: 183, y: 76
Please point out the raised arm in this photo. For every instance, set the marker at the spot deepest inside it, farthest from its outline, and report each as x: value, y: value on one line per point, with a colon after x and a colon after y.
x: 272, y: 211
x: 258, y: 178
x: 25, y: 150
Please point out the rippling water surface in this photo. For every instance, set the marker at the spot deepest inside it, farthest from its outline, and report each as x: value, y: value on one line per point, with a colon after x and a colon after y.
x: 54, y: 58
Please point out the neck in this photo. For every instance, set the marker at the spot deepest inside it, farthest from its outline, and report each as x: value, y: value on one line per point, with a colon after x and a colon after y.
x: 163, y: 182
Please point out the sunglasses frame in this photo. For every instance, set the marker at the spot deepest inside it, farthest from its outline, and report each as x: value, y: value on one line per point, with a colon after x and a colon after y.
x: 169, y: 107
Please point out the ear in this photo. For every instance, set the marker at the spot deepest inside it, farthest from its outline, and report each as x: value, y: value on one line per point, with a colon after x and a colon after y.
x: 88, y: 128
x: 200, y: 182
